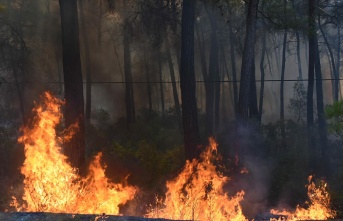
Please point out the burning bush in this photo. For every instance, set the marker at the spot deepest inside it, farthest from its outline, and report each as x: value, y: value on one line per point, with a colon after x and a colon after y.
x: 197, y: 193
x: 50, y: 183
x: 318, y: 204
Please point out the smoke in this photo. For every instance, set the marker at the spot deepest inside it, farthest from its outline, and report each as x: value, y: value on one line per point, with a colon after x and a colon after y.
x: 250, y: 168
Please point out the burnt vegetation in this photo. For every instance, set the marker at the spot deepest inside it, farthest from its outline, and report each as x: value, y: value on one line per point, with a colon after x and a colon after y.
x: 149, y: 83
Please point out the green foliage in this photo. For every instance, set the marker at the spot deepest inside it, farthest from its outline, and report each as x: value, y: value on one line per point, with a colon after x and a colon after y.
x: 288, y: 155
x: 157, y: 163
x: 282, y: 17
x: 334, y: 114
x: 148, y: 150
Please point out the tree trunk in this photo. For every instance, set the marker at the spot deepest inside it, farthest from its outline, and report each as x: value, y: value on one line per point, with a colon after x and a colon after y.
x: 174, y: 87
x: 253, y: 110
x: 282, y: 102
x: 247, y: 69
x: 88, y: 64
x: 335, y: 75
x: 187, y: 78
x: 161, y: 83
x: 260, y: 107
x: 324, y: 159
x: 129, y: 98
x: 229, y: 81
x: 208, y: 77
x: 213, y: 92
x: 310, y: 119
x: 331, y: 74
x: 233, y: 69
x: 148, y: 86
x: 298, y: 45
x: 119, y: 63
x: 73, y: 85
x: 338, y: 60
x: 100, y: 24
x: 223, y: 71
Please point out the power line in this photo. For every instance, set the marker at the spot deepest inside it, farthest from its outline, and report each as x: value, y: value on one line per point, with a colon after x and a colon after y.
x: 163, y: 82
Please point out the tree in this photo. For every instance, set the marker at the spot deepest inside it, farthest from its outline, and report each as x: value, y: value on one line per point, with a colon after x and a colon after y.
x: 297, y: 35
x: 324, y: 158
x: 187, y: 82
x: 88, y: 63
x: 172, y: 77
x: 262, y: 68
x: 310, y: 86
x: 233, y: 68
x: 212, y: 86
x: 248, y: 60
x: 283, y: 66
x: 73, y: 86
x: 129, y: 98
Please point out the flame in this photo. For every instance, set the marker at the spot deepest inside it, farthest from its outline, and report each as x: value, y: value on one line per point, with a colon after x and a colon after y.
x: 318, y: 205
x: 197, y: 193
x: 50, y: 183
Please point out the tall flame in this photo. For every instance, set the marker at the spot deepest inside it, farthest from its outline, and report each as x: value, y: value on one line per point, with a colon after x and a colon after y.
x: 50, y: 183
x: 197, y: 193
x: 318, y: 205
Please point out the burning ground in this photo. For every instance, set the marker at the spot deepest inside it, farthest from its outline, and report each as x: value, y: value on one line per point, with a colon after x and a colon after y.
x: 200, y: 191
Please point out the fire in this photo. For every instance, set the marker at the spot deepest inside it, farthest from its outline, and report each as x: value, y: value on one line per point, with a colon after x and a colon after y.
x: 50, y: 183
x: 318, y: 205
x: 197, y: 193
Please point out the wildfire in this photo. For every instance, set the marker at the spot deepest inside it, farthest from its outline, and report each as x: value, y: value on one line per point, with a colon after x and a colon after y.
x: 318, y: 205
x: 197, y: 193
x: 50, y: 183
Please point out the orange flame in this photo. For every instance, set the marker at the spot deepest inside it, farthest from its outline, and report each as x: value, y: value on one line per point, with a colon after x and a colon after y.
x: 318, y: 205
x: 197, y: 193
x: 50, y: 183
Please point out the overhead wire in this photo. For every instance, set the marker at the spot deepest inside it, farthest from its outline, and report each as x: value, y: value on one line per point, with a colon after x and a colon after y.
x: 165, y: 82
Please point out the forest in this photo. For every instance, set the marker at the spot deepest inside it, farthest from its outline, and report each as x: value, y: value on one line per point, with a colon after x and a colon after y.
x: 144, y: 89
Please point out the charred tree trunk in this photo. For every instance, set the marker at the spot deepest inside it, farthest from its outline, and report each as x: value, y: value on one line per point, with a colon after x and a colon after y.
x: 88, y: 64
x: 247, y: 69
x: 187, y: 78
x: 129, y: 98
x: 73, y: 86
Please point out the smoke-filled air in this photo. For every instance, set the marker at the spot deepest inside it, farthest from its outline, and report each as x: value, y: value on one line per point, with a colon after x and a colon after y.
x: 171, y: 109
